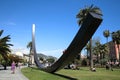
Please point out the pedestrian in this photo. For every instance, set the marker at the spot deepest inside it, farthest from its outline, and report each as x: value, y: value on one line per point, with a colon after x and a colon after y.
x: 13, y: 67
x: 111, y: 65
x: 107, y: 66
x: 94, y: 69
x: 19, y: 65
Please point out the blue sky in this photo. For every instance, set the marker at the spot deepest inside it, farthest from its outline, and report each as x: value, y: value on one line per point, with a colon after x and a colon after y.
x: 55, y: 20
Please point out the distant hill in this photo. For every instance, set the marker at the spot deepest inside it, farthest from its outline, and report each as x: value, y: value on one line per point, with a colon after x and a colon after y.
x: 45, y: 56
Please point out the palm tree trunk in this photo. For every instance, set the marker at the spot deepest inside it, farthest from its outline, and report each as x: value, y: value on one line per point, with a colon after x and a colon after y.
x: 108, y: 54
x: 29, y: 61
x: 91, y: 55
x: 5, y: 67
x: 118, y: 53
x: 101, y: 59
x: 97, y: 58
x: 87, y: 55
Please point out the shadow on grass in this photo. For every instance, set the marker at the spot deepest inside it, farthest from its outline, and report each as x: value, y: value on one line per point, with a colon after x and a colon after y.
x: 67, y: 77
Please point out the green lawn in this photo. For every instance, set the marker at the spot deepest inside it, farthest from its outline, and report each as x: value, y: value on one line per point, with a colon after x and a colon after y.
x: 65, y: 74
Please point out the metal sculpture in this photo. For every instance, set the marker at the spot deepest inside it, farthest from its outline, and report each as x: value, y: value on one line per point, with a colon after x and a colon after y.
x: 84, y: 34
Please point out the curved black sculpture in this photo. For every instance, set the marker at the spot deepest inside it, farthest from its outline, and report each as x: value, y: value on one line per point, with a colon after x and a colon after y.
x: 84, y: 34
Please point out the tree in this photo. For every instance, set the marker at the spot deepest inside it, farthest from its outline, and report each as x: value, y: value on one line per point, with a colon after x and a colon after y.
x: 116, y: 40
x: 101, y: 51
x: 15, y: 58
x: 5, y: 47
x: 83, y: 13
x: 96, y: 50
x: 87, y: 47
x: 81, y: 18
x: 51, y: 60
x: 106, y: 34
x: 1, y: 58
x: 29, y: 45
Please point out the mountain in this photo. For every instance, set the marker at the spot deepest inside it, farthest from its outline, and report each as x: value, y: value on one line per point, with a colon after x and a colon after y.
x: 45, y: 56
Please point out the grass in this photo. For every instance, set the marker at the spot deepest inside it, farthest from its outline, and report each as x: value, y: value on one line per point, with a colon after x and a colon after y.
x: 66, y: 74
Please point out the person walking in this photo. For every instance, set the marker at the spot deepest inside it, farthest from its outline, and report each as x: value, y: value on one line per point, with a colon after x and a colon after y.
x: 13, y: 67
x: 19, y: 65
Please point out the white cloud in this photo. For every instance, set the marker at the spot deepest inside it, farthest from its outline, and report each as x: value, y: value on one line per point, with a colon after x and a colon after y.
x: 8, y: 24
x: 21, y: 50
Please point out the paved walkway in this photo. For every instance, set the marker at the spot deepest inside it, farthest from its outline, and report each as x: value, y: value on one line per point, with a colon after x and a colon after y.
x: 6, y: 75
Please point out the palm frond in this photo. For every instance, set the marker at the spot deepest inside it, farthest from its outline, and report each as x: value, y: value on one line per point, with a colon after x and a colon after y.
x: 1, y: 31
x: 83, y: 13
x: 5, y: 39
x: 4, y: 45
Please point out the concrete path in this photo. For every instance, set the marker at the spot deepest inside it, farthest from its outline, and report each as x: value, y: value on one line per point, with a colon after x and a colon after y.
x: 6, y: 75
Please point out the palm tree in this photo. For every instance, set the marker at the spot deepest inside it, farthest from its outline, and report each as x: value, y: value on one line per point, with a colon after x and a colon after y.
x: 106, y: 34
x: 1, y: 58
x: 116, y: 40
x: 96, y: 50
x: 83, y: 13
x: 81, y: 18
x: 87, y: 47
x: 101, y: 51
x: 29, y: 45
x: 4, y: 47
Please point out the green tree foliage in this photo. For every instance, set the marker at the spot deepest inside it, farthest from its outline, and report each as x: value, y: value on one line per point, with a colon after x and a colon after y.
x: 87, y: 47
x: 116, y: 37
x: 106, y: 34
x: 102, y: 50
x: 29, y: 45
x: 83, y: 13
x: 14, y: 58
x: 41, y: 58
x: 116, y: 40
x: 5, y: 46
x: 51, y: 60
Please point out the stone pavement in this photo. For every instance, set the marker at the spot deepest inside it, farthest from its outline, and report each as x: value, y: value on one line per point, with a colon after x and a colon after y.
x: 6, y: 75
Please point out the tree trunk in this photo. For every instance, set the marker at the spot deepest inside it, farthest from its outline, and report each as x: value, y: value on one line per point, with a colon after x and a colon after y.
x: 87, y: 55
x: 97, y: 58
x: 101, y: 59
x: 91, y: 55
x: 29, y: 61
x: 118, y: 53
x: 5, y: 67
